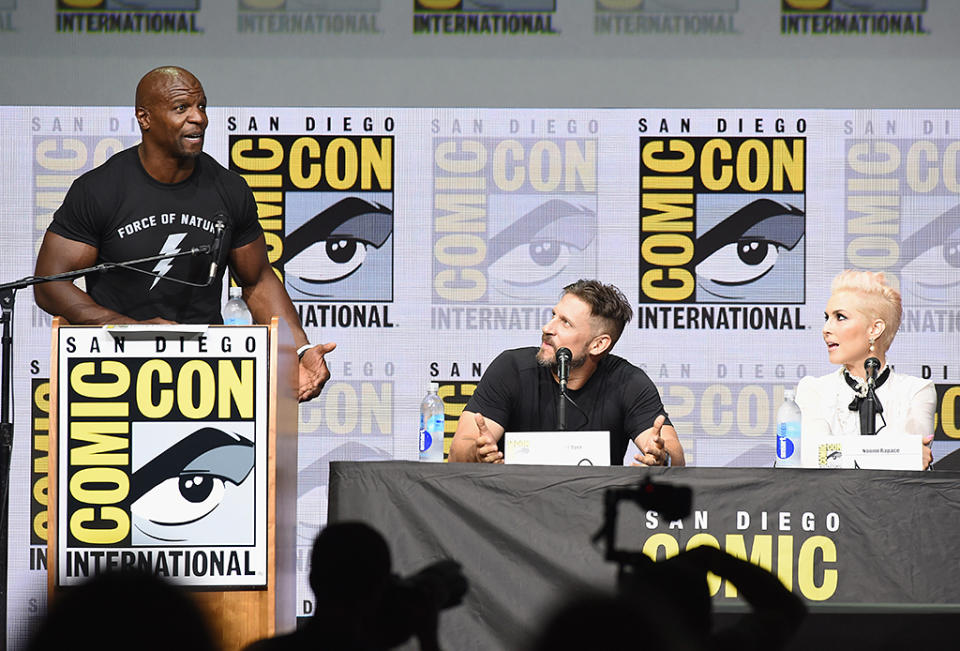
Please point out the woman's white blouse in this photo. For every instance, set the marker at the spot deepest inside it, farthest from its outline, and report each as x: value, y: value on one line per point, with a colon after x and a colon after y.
x: 909, y: 404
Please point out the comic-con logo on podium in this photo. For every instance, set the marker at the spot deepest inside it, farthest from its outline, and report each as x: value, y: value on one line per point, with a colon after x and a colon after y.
x: 121, y: 17
x: 514, y: 220
x: 722, y: 221
x: 162, y: 448
x: 326, y: 206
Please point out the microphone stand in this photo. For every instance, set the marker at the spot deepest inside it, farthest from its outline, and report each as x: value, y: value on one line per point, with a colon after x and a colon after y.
x: 870, y: 427
x: 8, y: 293
x: 562, y: 407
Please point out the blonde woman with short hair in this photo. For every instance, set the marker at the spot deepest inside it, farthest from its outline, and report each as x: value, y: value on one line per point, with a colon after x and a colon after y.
x: 862, y: 318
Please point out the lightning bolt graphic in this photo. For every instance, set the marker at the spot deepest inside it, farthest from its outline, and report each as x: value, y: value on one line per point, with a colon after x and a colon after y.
x: 172, y: 245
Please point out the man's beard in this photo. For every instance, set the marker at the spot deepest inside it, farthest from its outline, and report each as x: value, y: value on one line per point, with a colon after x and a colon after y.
x: 551, y: 363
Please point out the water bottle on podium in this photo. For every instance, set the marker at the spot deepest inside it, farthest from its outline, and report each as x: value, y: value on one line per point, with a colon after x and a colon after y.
x: 788, y: 432
x: 236, y: 312
x: 431, y: 425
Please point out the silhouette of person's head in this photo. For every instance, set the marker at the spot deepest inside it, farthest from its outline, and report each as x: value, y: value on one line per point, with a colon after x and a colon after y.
x: 123, y: 610
x: 349, y: 565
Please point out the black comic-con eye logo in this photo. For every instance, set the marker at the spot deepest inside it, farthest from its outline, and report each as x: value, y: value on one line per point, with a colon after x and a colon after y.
x: 344, y: 241
x: 931, y: 261
x: 173, y: 492
x: 543, y: 245
x: 752, y: 255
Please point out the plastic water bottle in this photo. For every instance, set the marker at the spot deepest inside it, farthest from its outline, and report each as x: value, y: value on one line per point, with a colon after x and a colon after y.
x: 236, y: 312
x: 431, y: 425
x: 788, y: 432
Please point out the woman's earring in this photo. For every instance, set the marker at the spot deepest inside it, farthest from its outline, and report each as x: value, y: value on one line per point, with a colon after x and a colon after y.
x: 871, y: 345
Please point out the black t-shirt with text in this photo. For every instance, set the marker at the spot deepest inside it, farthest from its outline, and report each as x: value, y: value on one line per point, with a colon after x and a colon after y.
x: 127, y: 214
x: 522, y: 396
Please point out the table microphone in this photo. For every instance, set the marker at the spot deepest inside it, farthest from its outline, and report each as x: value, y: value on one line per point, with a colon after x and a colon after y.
x: 872, y: 367
x: 564, y: 357
x: 868, y: 419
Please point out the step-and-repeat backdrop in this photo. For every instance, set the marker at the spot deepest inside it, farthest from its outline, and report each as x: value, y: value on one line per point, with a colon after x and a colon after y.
x: 439, y: 237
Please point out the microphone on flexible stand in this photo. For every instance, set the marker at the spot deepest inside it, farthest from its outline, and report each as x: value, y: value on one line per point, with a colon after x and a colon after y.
x: 564, y: 357
x: 868, y: 423
x: 872, y: 367
x: 216, y: 244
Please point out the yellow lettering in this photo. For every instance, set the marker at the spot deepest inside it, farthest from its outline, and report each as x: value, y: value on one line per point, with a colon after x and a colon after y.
x: 680, y: 284
x: 197, y: 374
x: 377, y: 163
x: 98, y: 535
x: 110, y: 476
x: 806, y: 564
x: 653, y: 544
x: 100, y: 390
x: 259, y: 162
x: 145, y: 384
x: 102, y: 443
x: 713, y: 149
x: 313, y: 172
x: 235, y: 389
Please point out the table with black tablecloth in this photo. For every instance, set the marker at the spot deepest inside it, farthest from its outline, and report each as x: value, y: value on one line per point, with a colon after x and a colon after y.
x: 842, y: 539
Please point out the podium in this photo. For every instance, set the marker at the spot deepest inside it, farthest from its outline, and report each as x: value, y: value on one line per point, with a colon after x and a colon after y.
x: 173, y: 449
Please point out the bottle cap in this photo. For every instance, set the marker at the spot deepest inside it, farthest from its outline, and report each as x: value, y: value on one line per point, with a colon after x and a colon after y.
x: 789, y: 394
x: 236, y: 292
x: 434, y: 387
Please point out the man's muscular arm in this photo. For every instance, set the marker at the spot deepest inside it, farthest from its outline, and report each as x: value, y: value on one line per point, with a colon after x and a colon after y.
x: 266, y: 297
x: 263, y: 292
x: 476, y: 439
x: 59, y: 255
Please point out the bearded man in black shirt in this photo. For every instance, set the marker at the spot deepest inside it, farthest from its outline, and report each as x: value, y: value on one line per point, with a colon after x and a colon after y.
x: 158, y: 197
x: 520, y: 389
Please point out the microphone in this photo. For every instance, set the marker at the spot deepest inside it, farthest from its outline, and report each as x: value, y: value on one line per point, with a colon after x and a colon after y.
x: 216, y: 244
x: 871, y: 366
x: 564, y: 357
x: 868, y: 417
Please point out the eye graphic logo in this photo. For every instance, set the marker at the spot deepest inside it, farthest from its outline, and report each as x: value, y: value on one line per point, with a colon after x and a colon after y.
x: 195, y: 490
x: 342, y: 252
x: 752, y: 254
x: 543, y: 249
x: 930, y: 259
x: 722, y: 220
x: 903, y: 218
x: 513, y: 218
